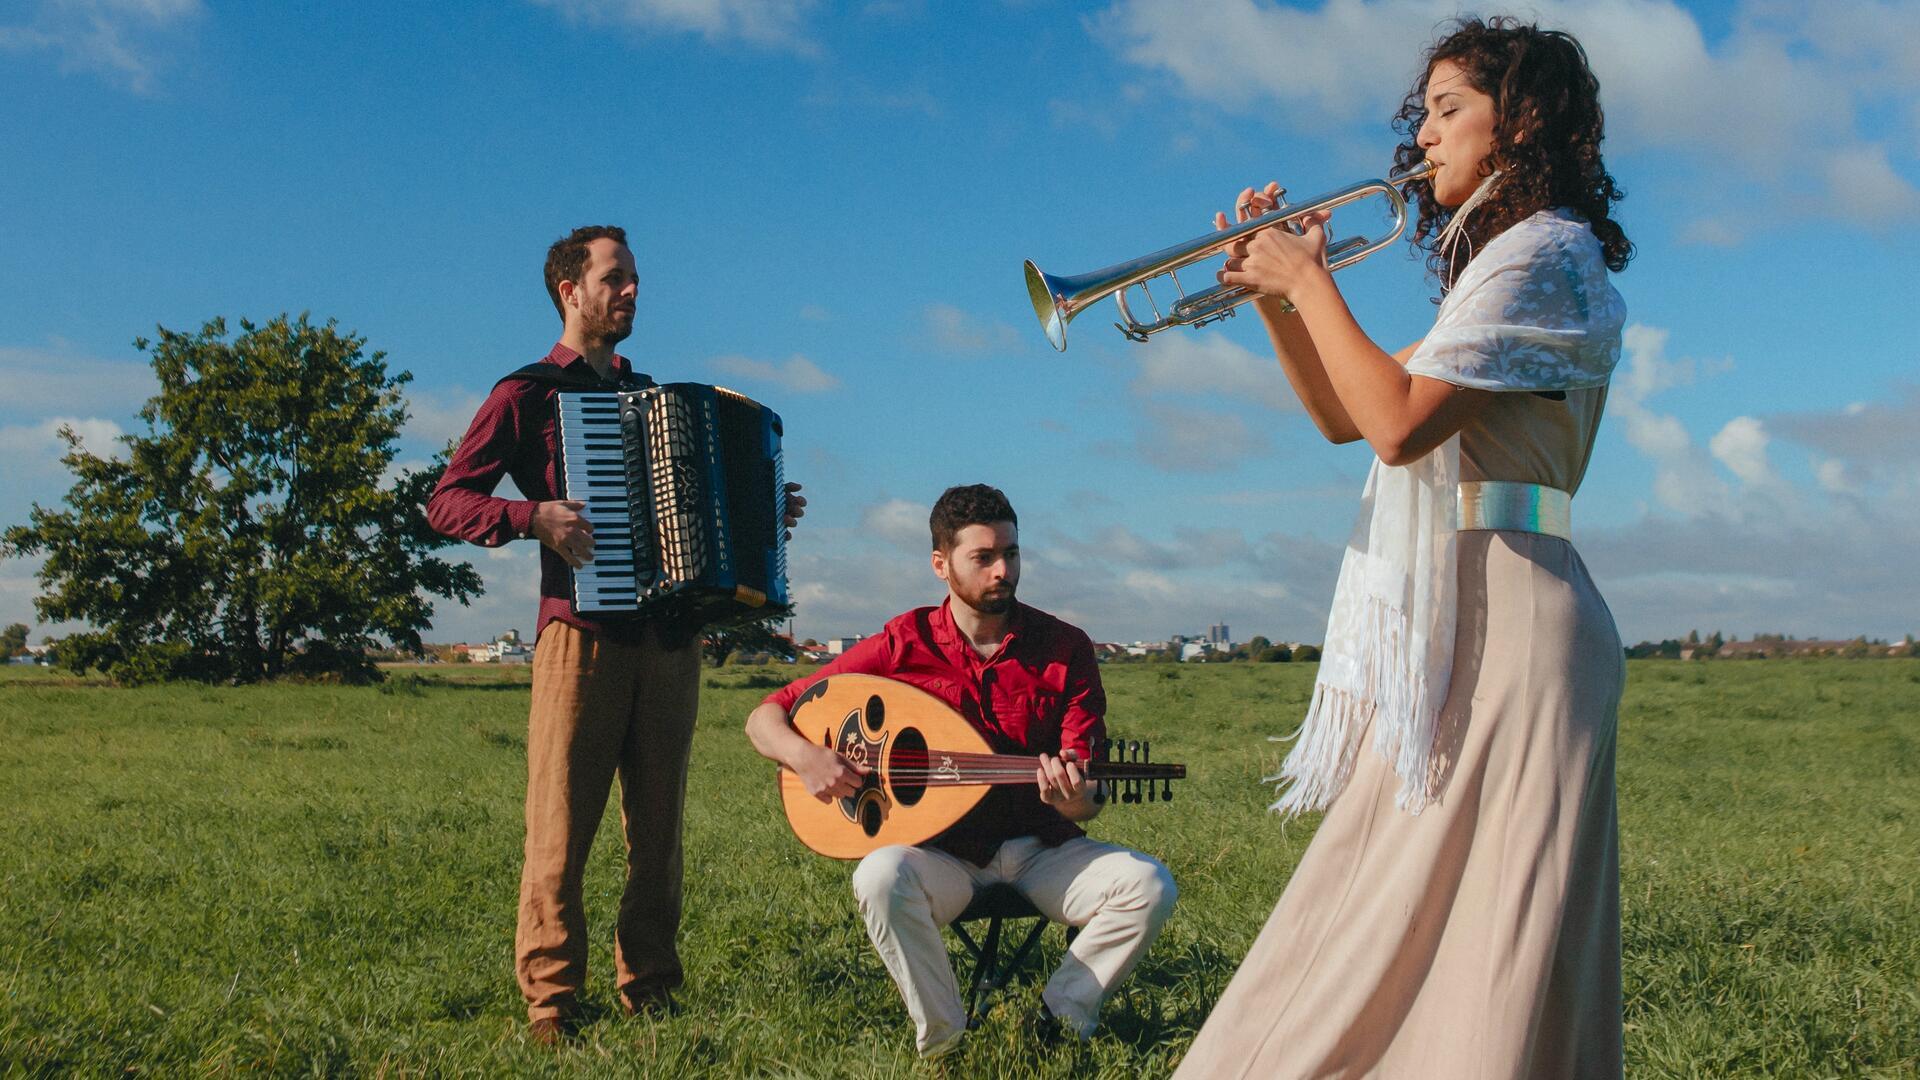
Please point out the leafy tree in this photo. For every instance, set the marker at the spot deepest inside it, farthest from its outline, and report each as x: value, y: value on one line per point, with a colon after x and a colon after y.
x: 758, y: 636
x: 251, y: 531
x: 1307, y: 654
x: 1275, y: 654
x: 13, y: 640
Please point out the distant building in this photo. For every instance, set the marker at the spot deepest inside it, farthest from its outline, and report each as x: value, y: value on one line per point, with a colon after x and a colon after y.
x: 1218, y: 634
x: 838, y: 645
x: 505, y: 649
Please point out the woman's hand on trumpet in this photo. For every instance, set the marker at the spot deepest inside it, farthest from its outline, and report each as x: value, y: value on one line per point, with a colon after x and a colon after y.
x: 1281, y: 264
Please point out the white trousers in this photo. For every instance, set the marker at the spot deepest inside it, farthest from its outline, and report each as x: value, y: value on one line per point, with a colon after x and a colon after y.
x: 1117, y: 896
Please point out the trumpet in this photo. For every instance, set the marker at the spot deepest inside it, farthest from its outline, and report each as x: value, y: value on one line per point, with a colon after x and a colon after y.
x: 1056, y: 300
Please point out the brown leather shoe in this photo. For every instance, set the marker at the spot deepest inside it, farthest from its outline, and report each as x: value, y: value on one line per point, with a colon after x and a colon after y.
x: 550, y: 1031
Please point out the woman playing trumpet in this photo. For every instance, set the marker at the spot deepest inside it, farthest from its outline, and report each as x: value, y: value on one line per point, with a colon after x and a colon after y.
x: 1457, y: 913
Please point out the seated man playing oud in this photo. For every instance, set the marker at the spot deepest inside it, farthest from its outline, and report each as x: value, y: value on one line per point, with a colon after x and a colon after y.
x: 1029, y: 684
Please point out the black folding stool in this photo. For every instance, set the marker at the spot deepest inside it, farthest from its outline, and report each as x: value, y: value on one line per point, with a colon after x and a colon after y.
x: 997, y: 903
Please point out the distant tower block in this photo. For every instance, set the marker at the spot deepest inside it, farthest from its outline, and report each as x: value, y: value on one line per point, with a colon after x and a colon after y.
x: 1218, y: 634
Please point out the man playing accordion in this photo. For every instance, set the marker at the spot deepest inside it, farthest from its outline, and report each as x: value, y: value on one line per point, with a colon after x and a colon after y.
x: 611, y: 696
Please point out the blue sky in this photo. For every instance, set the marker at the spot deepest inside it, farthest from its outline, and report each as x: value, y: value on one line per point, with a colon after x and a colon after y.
x: 830, y: 205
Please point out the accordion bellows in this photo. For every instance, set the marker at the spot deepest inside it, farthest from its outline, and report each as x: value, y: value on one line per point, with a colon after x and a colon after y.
x: 684, y: 487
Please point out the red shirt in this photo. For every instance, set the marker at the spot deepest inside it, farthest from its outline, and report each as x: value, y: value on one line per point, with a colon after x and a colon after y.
x: 513, y: 434
x: 1039, y: 693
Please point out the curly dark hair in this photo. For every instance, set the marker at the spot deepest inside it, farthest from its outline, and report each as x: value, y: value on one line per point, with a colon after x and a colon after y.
x: 567, y: 258
x: 1546, y: 139
x: 969, y: 504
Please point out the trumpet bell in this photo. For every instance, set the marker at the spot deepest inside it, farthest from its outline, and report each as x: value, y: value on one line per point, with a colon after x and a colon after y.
x: 1049, y: 300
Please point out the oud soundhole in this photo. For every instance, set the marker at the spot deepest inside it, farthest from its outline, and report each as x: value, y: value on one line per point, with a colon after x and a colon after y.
x: 870, y: 816
x: 876, y: 714
x: 908, y: 766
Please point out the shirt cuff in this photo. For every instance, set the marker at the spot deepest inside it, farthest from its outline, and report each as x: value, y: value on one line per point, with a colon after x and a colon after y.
x: 520, y: 518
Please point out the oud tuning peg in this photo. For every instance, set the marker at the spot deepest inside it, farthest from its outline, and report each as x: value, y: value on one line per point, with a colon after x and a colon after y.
x: 1146, y: 751
x: 1166, y: 789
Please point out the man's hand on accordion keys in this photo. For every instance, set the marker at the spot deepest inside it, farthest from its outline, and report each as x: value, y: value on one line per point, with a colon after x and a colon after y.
x: 560, y: 525
x: 795, y: 506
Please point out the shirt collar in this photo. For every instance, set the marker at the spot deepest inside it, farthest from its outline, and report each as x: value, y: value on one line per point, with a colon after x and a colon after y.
x: 947, y: 632
x: 565, y: 356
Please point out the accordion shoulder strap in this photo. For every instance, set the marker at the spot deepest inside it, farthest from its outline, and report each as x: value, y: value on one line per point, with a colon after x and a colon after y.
x: 573, y: 377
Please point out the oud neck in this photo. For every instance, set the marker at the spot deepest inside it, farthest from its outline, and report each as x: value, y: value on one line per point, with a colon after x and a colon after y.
x: 942, y: 767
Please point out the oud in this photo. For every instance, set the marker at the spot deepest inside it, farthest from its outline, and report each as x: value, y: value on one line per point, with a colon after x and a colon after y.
x: 928, y: 766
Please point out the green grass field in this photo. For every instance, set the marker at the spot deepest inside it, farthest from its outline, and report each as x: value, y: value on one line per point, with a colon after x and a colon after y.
x: 321, y: 880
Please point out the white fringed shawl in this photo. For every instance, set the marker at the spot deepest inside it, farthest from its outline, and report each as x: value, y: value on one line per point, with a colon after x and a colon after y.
x: 1533, y: 311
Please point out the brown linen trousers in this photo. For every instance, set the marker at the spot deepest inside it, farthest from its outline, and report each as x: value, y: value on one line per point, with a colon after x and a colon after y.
x: 602, y: 709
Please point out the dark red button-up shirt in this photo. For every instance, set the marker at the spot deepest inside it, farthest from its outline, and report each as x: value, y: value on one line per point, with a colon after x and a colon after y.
x: 1039, y: 693
x: 514, y: 434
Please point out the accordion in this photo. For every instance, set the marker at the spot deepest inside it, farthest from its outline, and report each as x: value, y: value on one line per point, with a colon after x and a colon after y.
x: 684, y: 488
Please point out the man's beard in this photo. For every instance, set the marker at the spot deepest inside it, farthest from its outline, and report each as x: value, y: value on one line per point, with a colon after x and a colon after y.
x: 607, y: 329
x: 997, y: 604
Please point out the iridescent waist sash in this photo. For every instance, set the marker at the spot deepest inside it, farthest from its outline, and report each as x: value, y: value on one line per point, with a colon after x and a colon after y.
x: 1510, y: 504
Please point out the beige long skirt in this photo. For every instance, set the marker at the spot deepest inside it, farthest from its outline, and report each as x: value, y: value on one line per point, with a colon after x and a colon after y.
x: 1481, y: 938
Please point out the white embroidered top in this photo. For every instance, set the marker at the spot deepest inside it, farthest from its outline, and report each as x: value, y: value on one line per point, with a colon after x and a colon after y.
x: 1536, y: 310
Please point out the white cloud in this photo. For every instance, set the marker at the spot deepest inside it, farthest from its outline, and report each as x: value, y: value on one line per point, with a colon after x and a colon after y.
x: 1832, y: 474
x: 37, y: 381
x: 436, y: 418
x: 1877, y: 436
x: 798, y: 374
x: 39, y: 447
x: 777, y: 24
x: 1742, y: 447
x: 1239, y: 52
x: 1748, y: 550
x: 123, y: 41
x: 1775, y: 96
x: 1178, y: 439
x: 1647, y: 370
x: 898, y: 522
x: 1188, y: 364
x: 1712, y: 232
x: 958, y: 331
x: 19, y: 586
x: 1867, y: 191
x: 511, y: 576
x: 1113, y: 582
